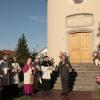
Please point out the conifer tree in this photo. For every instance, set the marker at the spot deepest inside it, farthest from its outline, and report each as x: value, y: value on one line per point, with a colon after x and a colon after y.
x: 22, y: 50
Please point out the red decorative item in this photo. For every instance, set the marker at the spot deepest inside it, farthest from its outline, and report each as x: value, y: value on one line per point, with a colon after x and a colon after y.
x: 98, y: 79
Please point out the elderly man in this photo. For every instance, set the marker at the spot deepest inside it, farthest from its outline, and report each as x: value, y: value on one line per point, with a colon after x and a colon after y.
x: 4, y: 73
x: 37, y: 74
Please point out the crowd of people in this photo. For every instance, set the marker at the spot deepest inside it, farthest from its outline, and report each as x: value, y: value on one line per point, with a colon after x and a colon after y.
x: 35, y: 74
x: 9, y: 76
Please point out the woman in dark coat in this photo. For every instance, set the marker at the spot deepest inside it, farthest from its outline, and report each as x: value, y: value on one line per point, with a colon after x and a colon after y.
x: 64, y: 67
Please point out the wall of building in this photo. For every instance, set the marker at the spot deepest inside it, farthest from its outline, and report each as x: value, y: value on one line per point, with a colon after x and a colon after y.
x: 58, y: 10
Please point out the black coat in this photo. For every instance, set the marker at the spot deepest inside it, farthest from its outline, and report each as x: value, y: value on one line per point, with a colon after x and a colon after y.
x: 64, y: 68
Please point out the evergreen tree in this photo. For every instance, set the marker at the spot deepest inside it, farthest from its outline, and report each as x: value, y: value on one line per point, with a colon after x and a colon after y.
x: 22, y: 50
x: 34, y: 54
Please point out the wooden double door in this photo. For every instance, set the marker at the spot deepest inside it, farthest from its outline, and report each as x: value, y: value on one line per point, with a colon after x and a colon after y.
x: 80, y: 45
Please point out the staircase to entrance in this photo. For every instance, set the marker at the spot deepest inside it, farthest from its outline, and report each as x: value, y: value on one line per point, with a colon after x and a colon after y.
x: 83, y: 78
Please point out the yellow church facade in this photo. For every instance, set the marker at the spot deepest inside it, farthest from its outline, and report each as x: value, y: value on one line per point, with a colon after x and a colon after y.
x: 73, y: 27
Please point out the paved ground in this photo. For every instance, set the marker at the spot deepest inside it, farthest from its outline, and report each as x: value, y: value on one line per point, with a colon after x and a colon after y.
x: 55, y: 95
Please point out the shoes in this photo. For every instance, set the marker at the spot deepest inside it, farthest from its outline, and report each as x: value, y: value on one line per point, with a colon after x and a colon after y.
x: 33, y: 94
x: 64, y: 94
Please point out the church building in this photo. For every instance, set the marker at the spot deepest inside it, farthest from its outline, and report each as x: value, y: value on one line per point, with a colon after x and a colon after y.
x: 73, y: 27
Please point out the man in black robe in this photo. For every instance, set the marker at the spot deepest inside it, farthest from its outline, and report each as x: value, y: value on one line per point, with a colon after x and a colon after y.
x: 46, y: 80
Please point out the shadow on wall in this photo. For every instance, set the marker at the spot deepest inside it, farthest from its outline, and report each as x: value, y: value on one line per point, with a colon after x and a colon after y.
x: 98, y: 47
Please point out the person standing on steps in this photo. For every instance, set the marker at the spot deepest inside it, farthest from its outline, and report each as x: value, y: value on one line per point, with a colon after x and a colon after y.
x: 96, y: 58
x: 64, y: 67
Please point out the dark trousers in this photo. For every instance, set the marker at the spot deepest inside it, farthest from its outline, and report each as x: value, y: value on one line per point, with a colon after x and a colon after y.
x: 46, y: 84
x: 36, y: 83
x: 6, y: 91
x: 14, y: 89
x: 65, y: 82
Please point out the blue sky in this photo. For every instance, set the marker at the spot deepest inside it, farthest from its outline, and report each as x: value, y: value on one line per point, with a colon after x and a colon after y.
x: 23, y: 16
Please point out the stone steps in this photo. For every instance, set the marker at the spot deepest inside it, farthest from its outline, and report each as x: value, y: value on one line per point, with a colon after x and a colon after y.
x: 85, y: 79
x: 87, y: 88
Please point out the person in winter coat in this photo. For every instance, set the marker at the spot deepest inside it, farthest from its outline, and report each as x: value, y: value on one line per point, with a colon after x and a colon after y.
x: 64, y: 67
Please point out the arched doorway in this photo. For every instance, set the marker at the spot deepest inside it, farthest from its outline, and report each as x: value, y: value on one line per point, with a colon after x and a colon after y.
x: 80, y: 47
